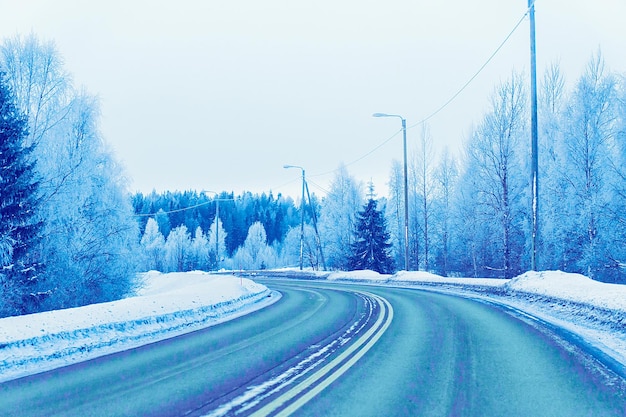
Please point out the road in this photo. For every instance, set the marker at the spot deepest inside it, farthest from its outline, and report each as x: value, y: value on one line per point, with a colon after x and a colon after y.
x: 346, y: 350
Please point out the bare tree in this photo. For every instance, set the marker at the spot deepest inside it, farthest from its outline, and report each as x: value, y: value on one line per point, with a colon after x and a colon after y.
x: 446, y: 177
x: 589, y: 142
x: 425, y: 188
x: 493, y: 153
x: 395, y: 211
x: 39, y: 81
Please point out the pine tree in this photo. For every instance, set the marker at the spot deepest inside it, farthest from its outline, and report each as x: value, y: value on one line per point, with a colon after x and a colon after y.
x: 19, y: 227
x: 371, y: 248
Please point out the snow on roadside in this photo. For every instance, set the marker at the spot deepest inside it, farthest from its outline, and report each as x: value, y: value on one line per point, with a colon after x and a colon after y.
x: 166, y: 305
x: 571, y: 287
x: 412, y: 277
x: 357, y: 275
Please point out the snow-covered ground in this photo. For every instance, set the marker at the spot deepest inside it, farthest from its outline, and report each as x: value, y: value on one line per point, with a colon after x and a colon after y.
x: 593, y: 310
x: 172, y: 304
x: 165, y: 305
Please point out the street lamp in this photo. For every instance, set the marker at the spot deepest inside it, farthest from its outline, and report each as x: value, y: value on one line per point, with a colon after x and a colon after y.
x: 406, y: 189
x: 302, y: 212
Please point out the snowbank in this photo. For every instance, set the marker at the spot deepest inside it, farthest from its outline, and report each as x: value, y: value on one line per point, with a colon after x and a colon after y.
x: 165, y: 306
x: 417, y: 277
x: 571, y: 287
x: 358, y: 276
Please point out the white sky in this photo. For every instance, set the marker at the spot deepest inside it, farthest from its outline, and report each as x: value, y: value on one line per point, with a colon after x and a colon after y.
x: 220, y: 95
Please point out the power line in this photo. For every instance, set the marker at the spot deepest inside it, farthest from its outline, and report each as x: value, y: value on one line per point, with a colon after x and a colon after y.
x: 175, y: 211
x: 442, y: 107
x: 362, y: 157
x: 424, y: 120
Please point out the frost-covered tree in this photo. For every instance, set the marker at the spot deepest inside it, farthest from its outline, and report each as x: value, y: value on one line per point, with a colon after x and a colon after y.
x: 552, y: 243
x: 290, y: 249
x: 494, y: 154
x: 338, y: 217
x: 446, y: 176
x: 200, y: 259
x: 255, y: 253
x: 423, y: 184
x: 217, y: 244
x: 21, y: 269
x: 590, y: 146
x: 163, y: 220
x: 371, y: 248
x: 40, y: 83
x: 153, y: 246
x: 395, y: 211
x: 89, y: 233
x: 178, y: 250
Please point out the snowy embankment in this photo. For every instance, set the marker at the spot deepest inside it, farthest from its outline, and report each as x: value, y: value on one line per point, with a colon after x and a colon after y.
x: 166, y: 305
x: 593, y: 310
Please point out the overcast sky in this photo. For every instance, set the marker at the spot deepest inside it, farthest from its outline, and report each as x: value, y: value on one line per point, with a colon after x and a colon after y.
x: 219, y: 95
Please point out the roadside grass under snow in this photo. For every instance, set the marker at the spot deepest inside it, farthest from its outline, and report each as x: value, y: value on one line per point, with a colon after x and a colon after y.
x: 166, y: 305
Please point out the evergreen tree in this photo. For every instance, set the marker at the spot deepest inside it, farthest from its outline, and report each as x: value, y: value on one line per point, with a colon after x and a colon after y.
x: 19, y: 227
x: 371, y: 248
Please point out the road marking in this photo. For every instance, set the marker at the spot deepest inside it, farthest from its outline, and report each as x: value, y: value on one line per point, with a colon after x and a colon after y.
x: 364, y: 343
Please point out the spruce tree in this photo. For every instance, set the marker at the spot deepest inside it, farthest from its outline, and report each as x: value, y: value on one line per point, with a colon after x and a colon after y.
x: 19, y: 227
x: 371, y: 248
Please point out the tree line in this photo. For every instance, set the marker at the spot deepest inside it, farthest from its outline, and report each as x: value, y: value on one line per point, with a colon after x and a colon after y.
x: 471, y: 215
x: 71, y: 234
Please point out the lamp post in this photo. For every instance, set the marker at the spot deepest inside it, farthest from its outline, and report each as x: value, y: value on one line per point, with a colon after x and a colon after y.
x: 302, y: 212
x: 406, y: 188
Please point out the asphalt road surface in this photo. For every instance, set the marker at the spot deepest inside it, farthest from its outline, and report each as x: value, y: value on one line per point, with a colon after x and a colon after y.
x: 348, y: 350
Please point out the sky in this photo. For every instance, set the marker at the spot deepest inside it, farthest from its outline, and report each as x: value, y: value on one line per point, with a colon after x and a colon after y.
x: 220, y: 95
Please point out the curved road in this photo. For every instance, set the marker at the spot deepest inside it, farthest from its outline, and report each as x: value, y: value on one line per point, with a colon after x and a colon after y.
x: 346, y: 350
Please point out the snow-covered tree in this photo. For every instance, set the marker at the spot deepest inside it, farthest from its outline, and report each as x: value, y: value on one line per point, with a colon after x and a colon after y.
x: 153, y: 246
x: 40, y: 83
x: 255, y: 253
x: 446, y: 176
x: 395, y: 212
x: 371, y: 248
x: 163, y: 220
x: 217, y: 244
x: 89, y: 233
x: 590, y: 146
x: 494, y: 152
x: 552, y: 242
x: 178, y: 250
x: 200, y: 259
x: 21, y: 268
x: 423, y: 191
x: 338, y: 218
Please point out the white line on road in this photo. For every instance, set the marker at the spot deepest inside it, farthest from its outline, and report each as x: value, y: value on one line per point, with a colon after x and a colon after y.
x: 364, y: 343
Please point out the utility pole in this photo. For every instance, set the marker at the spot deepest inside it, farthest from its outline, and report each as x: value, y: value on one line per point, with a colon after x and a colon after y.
x: 217, y: 234
x: 317, y: 234
x: 534, y: 140
x: 302, y: 212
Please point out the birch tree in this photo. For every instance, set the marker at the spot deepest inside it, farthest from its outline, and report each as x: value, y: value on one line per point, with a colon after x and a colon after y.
x: 493, y: 153
x: 446, y: 176
x: 589, y: 143
x: 338, y: 217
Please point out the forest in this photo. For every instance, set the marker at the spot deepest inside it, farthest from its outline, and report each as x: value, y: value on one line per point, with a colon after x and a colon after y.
x: 73, y: 234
